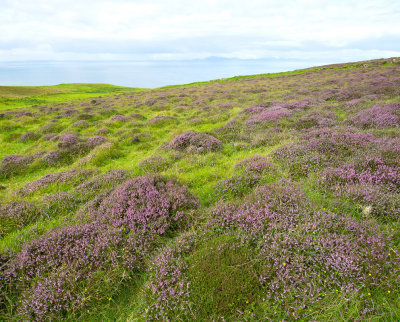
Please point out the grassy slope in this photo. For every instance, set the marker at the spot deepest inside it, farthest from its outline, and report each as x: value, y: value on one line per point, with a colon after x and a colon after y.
x: 201, y: 107
x: 25, y: 96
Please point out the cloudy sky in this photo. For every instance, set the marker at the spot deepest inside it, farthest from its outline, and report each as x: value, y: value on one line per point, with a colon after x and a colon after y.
x: 341, y: 30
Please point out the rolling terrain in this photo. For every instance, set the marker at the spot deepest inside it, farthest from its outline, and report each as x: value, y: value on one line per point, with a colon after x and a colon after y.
x: 264, y: 197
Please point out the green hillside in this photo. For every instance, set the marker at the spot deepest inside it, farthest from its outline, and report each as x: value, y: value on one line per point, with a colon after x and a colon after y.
x: 262, y: 197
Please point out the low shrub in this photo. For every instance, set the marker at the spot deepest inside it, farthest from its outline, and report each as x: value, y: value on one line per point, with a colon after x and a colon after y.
x: 16, y: 215
x: 195, y: 142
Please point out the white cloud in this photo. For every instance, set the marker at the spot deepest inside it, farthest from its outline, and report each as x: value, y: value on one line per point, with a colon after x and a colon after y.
x: 117, y: 29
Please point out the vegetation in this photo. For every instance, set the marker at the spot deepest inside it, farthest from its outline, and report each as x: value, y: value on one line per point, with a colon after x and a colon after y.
x: 264, y: 197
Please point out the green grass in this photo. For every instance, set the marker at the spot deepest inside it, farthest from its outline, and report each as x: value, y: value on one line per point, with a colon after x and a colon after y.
x: 25, y: 96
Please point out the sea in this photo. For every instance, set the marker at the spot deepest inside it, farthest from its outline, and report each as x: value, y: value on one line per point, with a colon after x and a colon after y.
x: 143, y: 74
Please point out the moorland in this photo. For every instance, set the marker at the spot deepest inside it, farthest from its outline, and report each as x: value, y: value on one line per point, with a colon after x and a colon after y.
x: 263, y: 197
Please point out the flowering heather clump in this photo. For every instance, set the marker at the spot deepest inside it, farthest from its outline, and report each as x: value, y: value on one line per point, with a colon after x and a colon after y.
x: 69, y: 146
x: 165, y: 204
x: 70, y: 112
x: 237, y: 185
x: 271, y: 114
x: 120, y: 118
x: 196, y: 142
x: 71, y: 176
x: 150, y: 102
x: 298, y: 105
x: 53, y: 157
x: 254, y: 110
x: 14, y: 164
x: 65, y: 269
x: 103, y: 131
x: 316, y: 119
x: 68, y: 141
x: 16, y: 215
x: 161, y: 119
x: 168, y: 285
x: 256, y: 164
x: 368, y: 171
x: 29, y: 136
x: 50, y: 136
x: 378, y: 116
x: 23, y: 113
x: 95, y: 141
x: 354, y: 102
x: 322, y: 147
x: 81, y: 124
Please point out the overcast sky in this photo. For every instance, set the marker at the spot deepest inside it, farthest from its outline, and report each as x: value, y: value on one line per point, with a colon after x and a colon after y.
x: 181, y: 29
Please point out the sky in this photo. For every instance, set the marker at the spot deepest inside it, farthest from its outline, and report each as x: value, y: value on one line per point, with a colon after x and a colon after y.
x: 183, y: 30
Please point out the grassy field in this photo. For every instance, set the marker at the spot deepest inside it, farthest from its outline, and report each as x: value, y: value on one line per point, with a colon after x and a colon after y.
x: 263, y: 197
x: 26, y: 96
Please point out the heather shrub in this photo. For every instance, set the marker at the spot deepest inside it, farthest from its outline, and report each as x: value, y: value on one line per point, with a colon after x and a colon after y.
x: 95, y: 141
x: 165, y: 204
x: 370, y: 170
x: 50, y: 136
x: 55, y: 157
x: 81, y: 124
x: 162, y: 120
x: 320, y: 148
x: 69, y: 147
x: 102, y: 131
x: 195, y: 142
x: 236, y: 186
x: 271, y: 114
x: 16, y: 215
x: 255, y: 164
x: 378, y: 116
x: 68, y: 142
x: 316, y: 119
x: 70, y: 268
x: 14, y: 164
x: 120, y: 118
x: 29, y: 136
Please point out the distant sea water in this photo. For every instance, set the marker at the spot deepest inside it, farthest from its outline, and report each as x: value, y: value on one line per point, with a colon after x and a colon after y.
x: 138, y: 74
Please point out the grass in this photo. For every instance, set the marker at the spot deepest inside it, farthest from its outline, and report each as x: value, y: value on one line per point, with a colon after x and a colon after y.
x: 25, y: 96
x: 220, y: 267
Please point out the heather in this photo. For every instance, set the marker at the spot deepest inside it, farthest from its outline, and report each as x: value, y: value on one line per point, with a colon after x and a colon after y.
x: 264, y: 197
x: 288, y: 257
